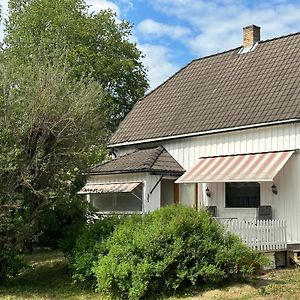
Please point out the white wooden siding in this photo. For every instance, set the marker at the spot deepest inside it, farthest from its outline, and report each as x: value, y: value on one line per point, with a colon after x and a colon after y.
x: 270, y: 138
x: 275, y: 138
x: 286, y: 205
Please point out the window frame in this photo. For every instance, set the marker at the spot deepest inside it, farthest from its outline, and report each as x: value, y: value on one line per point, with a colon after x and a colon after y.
x: 114, y: 196
x: 241, y: 207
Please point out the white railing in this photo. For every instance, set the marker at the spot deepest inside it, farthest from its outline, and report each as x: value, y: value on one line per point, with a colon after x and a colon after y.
x: 263, y: 235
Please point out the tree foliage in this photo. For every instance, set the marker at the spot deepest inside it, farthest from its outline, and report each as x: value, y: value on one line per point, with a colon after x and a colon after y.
x: 95, y: 44
x: 49, y: 125
x: 67, y: 78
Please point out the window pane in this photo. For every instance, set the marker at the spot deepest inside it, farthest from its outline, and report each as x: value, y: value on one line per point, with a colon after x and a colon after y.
x: 127, y: 202
x: 242, y: 194
x: 103, y: 202
x: 118, y: 202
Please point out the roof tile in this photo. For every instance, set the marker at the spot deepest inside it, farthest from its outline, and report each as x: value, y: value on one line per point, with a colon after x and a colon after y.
x: 157, y: 160
x: 221, y: 91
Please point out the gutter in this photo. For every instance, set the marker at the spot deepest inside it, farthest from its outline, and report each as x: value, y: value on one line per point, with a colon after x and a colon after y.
x: 152, y: 172
x: 202, y: 133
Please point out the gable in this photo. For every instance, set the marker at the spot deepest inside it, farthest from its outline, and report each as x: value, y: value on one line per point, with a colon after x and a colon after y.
x: 221, y: 91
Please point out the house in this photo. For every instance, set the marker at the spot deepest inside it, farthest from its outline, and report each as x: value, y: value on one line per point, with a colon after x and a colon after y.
x: 221, y: 133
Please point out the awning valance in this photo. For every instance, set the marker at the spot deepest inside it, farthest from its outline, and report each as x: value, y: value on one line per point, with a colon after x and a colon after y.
x: 126, y: 187
x: 237, y: 168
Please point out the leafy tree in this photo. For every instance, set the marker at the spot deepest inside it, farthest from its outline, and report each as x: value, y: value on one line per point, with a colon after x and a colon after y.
x: 95, y: 44
x: 49, y: 126
x: 67, y: 78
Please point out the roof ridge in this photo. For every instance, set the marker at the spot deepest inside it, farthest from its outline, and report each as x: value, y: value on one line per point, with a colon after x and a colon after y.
x: 212, y: 55
x: 126, y: 135
x: 142, y: 162
x: 150, y: 162
x: 108, y: 161
x: 279, y: 37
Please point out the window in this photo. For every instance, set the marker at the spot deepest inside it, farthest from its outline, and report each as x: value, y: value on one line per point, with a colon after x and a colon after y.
x: 242, y: 194
x: 118, y: 202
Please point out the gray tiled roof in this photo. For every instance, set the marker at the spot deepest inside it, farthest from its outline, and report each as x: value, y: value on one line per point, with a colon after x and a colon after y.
x: 221, y: 91
x: 154, y: 160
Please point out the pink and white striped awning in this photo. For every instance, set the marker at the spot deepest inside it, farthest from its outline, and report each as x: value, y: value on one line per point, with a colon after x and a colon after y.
x: 104, y: 188
x: 237, y: 168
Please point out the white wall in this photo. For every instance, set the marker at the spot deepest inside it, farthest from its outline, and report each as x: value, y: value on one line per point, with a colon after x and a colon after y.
x: 286, y: 205
x: 274, y: 138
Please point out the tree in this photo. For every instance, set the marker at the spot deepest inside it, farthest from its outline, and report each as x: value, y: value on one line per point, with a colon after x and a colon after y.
x: 67, y: 78
x: 49, y: 126
x: 96, y: 44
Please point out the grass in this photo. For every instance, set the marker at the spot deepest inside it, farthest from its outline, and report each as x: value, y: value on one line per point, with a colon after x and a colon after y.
x: 283, y: 284
x: 49, y: 278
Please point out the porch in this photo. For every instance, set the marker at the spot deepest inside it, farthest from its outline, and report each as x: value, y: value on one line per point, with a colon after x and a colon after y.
x: 253, y: 195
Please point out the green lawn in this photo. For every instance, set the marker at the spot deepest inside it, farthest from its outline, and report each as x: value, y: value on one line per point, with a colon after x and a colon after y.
x: 49, y: 279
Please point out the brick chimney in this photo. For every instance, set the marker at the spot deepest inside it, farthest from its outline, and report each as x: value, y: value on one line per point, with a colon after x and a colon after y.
x: 251, y: 35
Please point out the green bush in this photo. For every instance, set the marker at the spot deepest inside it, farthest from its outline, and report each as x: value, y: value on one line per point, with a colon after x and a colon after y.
x: 89, y: 246
x: 170, y: 249
x: 57, y: 221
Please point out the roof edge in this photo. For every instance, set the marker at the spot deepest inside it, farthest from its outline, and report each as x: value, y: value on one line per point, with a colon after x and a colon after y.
x: 207, y: 132
x: 137, y: 171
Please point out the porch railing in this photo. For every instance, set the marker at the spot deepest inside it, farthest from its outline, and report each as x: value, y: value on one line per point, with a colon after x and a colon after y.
x: 262, y: 235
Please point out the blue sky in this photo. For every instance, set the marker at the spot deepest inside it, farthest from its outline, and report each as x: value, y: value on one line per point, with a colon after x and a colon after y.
x: 171, y: 33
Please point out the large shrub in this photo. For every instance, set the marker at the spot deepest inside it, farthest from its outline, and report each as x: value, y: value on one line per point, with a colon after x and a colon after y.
x: 89, y: 245
x: 173, y: 248
x: 62, y: 219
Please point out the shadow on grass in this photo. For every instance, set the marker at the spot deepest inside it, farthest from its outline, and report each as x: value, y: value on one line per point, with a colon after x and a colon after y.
x: 233, y: 289
x: 48, y: 278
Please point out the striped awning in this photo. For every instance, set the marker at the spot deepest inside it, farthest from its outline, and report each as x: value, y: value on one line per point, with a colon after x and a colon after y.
x: 237, y: 168
x: 104, y: 188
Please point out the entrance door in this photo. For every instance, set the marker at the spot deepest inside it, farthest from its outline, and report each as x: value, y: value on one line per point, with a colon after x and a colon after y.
x: 167, y: 192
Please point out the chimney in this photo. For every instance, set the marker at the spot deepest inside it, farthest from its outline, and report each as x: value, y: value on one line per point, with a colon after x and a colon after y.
x: 251, y: 35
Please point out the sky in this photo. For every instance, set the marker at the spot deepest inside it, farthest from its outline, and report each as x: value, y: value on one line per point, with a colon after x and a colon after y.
x: 171, y: 33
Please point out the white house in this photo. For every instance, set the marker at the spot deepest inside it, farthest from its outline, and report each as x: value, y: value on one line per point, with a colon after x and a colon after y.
x: 221, y: 133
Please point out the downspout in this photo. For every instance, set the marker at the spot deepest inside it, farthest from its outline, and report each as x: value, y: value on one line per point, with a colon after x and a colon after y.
x: 156, y: 184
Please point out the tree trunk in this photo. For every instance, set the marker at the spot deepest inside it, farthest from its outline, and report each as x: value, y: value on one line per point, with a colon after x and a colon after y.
x: 3, y: 267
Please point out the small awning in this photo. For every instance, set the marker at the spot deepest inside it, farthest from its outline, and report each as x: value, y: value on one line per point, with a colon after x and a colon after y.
x: 237, y: 168
x: 105, y: 188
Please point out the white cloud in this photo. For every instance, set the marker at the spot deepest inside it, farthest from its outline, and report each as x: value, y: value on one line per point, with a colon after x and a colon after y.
x: 218, y: 23
x: 97, y: 5
x: 155, y: 29
x: 157, y: 60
